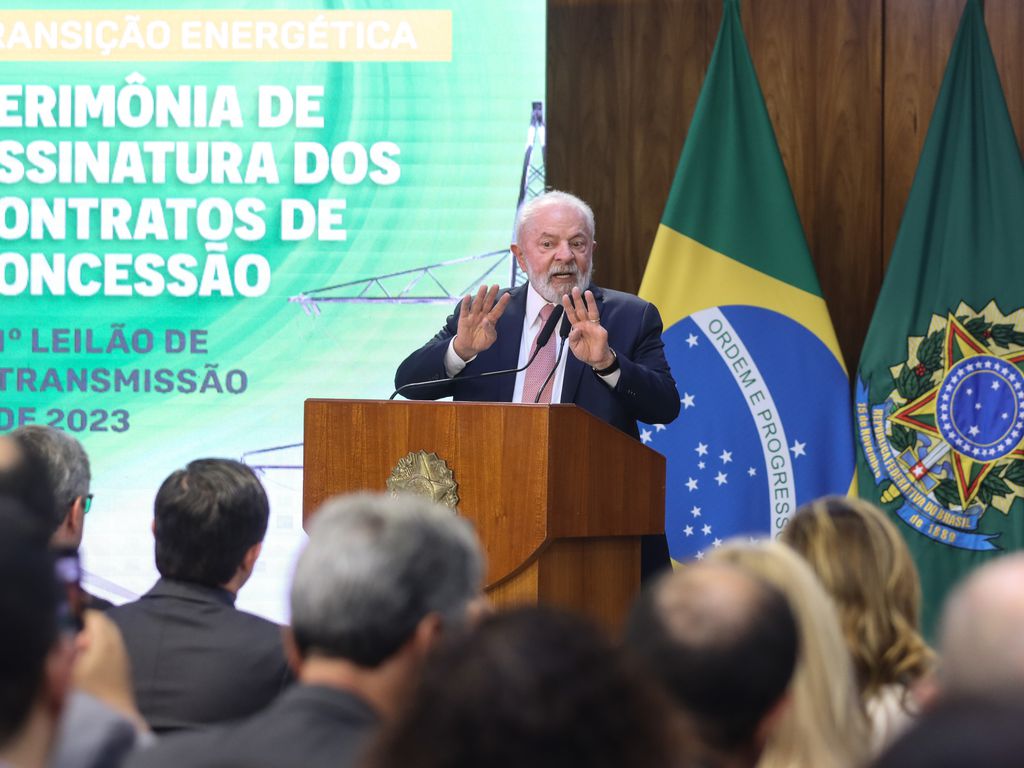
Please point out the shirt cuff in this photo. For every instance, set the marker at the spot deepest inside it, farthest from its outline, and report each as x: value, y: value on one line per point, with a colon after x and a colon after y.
x: 453, y: 364
x: 610, y: 379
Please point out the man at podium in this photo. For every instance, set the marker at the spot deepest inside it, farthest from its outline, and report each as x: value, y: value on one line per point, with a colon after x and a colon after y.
x: 557, y: 339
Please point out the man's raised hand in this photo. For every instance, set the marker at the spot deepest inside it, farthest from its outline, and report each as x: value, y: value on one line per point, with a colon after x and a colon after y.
x: 478, y: 318
x: 588, y: 339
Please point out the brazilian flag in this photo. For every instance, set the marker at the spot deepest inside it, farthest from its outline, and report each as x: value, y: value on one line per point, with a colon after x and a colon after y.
x: 940, y: 386
x: 765, y: 423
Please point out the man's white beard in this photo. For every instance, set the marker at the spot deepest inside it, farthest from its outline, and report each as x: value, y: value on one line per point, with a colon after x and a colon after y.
x: 553, y: 294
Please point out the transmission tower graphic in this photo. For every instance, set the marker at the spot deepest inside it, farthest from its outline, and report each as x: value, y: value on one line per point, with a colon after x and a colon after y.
x: 280, y: 466
x: 435, y: 283
x: 440, y: 287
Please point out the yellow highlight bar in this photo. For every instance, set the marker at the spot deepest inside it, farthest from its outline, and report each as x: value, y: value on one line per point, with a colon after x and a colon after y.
x: 235, y: 35
x: 684, y: 276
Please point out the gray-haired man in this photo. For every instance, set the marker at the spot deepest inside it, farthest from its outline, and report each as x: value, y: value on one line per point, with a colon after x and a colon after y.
x: 67, y: 465
x: 380, y: 580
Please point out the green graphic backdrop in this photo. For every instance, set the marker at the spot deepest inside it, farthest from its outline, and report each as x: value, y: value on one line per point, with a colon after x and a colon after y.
x: 461, y: 128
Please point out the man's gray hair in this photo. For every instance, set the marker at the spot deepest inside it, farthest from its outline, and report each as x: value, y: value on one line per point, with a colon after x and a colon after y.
x: 374, y: 567
x: 66, y: 461
x: 528, y: 210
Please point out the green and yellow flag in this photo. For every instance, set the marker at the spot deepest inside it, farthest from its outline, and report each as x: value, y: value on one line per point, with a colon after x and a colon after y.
x: 765, y: 422
x: 940, y: 389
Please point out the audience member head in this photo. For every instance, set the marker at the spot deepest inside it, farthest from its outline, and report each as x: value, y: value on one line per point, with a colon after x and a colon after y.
x: 375, y: 568
x: 824, y: 724
x: 724, y: 643
x: 35, y: 655
x: 531, y: 687
x: 68, y: 468
x: 209, y: 520
x: 981, y: 638
x: 23, y: 476
x: 864, y: 564
x: 963, y: 731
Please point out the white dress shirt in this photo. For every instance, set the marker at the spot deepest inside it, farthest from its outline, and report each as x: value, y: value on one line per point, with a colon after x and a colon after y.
x: 454, y: 364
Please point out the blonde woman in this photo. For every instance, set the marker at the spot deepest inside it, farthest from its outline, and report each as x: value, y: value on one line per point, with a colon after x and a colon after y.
x: 825, y: 725
x: 864, y: 564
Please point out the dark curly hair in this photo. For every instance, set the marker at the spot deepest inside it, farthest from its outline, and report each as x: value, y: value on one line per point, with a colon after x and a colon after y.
x: 532, y: 687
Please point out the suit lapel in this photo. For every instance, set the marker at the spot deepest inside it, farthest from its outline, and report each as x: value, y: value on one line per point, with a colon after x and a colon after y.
x: 573, y: 367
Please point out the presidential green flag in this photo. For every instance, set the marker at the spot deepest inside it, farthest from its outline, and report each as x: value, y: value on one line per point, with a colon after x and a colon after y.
x: 940, y: 391
x: 765, y: 421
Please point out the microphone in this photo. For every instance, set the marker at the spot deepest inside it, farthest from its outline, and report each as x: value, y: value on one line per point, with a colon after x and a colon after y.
x: 548, y: 329
x: 542, y: 338
x: 563, y: 334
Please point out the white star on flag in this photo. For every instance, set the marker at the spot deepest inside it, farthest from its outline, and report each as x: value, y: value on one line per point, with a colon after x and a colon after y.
x: 691, y: 484
x: 659, y: 427
x: 751, y: 472
x: 701, y: 465
x: 717, y: 543
x: 687, y: 400
x: 691, y: 341
x: 721, y: 478
x: 798, y: 448
x: 695, y: 511
x: 688, y: 530
x: 706, y: 530
x: 974, y: 431
x: 702, y: 449
x: 700, y: 555
x: 645, y: 436
x: 995, y: 385
x: 726, y: 457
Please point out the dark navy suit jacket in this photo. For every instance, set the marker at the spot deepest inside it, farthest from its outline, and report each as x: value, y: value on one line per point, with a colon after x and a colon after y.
x: 196, y: 659
x: 307, y: 726
x: 645, y: 391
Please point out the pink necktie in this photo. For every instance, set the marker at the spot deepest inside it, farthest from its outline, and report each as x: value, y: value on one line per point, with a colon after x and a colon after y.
x: 542, y: 365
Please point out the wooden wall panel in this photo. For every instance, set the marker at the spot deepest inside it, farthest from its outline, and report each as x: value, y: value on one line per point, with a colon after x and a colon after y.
x: 1004, y: 20
x: 850, y: 86
x: 623, y: 80
x: 780, y: 36
x: 819, y: 63
x: 918, y: 38
x: 845, y: 229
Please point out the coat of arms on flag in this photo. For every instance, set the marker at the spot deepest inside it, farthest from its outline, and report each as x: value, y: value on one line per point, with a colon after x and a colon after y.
x: 947, y: 440
x: 940, y: 387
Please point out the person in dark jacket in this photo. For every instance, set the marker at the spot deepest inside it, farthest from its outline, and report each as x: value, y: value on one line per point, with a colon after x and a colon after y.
x: 197, y: 660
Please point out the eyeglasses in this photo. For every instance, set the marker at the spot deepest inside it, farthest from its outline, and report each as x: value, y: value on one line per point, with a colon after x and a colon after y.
x: 86, y: 503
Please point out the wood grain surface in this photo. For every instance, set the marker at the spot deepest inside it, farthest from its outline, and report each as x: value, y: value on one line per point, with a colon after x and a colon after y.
x: 527, y: 475
x: 849, y: 84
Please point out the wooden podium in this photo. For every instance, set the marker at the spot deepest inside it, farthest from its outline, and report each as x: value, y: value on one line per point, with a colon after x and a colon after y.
x: 559, y: 498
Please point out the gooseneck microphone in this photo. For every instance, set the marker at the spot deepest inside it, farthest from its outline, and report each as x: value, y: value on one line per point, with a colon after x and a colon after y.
x: 563, y: 334
x: 542, y: 339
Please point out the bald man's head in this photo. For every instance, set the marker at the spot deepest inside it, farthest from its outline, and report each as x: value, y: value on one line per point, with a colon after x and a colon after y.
x: 723, y: 642
x: 982, y: 631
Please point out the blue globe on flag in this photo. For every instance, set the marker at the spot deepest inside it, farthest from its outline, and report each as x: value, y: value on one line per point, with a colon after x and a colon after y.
x: 761, y: 429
